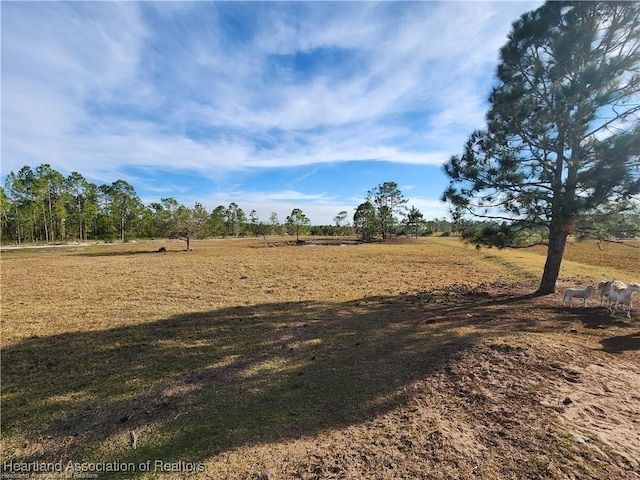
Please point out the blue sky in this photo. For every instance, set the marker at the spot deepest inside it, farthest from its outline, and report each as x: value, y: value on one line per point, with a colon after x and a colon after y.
x: 270, y: 105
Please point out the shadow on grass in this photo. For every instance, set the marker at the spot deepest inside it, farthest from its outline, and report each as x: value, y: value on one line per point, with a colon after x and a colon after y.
x: 621, y: 343
x: 199, y: 384
x: 83, y: 251
x: 595, y: 318
x: 125, y: 253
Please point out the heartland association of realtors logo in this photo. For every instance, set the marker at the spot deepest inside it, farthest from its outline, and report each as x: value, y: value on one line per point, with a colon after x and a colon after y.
x: 71, y: 469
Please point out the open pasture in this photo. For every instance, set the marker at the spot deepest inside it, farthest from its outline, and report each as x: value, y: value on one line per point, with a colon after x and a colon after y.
x: 424, y: 358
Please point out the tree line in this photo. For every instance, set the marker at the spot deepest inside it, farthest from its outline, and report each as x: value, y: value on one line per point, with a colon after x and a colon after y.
x: 559, y: 156
x: 41, y: 205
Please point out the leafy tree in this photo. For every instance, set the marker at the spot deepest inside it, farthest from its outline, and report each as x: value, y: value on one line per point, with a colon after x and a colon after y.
x: 38, y: 200
x: 81, y: 204
x: 120, y: 206
x: 365, y: 221
x: 415, y: 220
x: 105, y: 222
x: 297, y: 222
x: 235, y: 219
x: 262, y: 229
x: 218, y: 221
x: 274, y: 223
x: 342, y: 224
x: 388, y: 201
x: 21, y: 189
x: 341, y: 219
x: 146, y: 227
x: 253, y: 223
x: 90, y: 210
x: 200, y: 221
x: 174, y: 220
x: 242, y: 223
x: 51, y: 195
x: 439, y: 225
x: 563, y: 135
x: 5, y: 212
x: 185, y: 225
x: 159, y: 220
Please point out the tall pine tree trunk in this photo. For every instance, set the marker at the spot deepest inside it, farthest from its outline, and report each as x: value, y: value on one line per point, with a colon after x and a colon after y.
x: 557, y: 242
x: 46, y: 226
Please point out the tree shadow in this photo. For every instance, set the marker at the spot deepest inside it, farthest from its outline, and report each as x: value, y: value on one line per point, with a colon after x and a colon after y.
x: 202, y: 383
x: 125, y: 253
x: 621, y: 343
x: 596, y: 318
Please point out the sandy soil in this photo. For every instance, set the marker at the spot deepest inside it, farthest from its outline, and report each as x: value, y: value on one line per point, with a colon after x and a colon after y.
x: 543, y: 392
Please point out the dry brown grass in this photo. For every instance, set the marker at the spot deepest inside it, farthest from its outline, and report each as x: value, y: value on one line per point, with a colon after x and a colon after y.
x: 421, y: 359
x: 105, y: 286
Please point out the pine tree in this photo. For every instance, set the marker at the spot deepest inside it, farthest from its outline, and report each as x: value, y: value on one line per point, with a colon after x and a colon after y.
x: 297, y: 222
x: 563, y: 130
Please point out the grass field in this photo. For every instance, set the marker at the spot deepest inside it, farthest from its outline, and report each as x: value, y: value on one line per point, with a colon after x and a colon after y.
x: 243, y: 359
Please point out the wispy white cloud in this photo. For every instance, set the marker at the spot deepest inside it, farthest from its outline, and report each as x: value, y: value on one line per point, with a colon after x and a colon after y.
x: 319, y: 208
x: 213, y: 88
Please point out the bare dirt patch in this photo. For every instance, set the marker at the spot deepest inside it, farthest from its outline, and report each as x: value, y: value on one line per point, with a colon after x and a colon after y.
x: 526, y: 389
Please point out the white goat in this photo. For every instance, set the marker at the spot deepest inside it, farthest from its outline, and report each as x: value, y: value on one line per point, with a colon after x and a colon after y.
x: 571, y: 293
x: 622, y: 296
x: 616, y: 285
x: 604, y: 287
x: 603, y: 290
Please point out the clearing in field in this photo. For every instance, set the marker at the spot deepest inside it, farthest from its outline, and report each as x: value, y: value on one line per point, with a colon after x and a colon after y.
x: 425, y: 359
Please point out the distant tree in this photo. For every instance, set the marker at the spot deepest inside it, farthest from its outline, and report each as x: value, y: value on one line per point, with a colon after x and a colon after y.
x: 145, y: 225
x: 262, y: 229
x: 175, y: 220
x: 274, y: 223
x: 5, y: 212
x: 365, y: 221
x: 162, y: 216
x: 21, y: 189
x: 388, y: 202
x: 90, y: 210
x: 342, y: 223
x: 242, y: 223
x: 51, y: 197
x: 235, y: 219
x: 253, y: 223
x: 184, y: 225
x: 444, y: 226
x: 200, y: 221
x: 82, y: 205
x: 415, y: 221
x: 218, y: 221
x: 563, y: 133
x: 297, y: 222
x: 122, y: 205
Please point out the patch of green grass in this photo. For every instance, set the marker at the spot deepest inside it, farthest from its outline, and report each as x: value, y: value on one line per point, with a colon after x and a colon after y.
x: 583, y: 262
